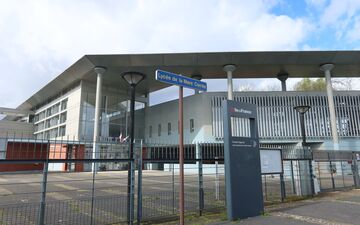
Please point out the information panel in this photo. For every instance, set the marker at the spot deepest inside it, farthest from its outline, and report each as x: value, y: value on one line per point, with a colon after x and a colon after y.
x: 271, y: 162
x: 244, y: 196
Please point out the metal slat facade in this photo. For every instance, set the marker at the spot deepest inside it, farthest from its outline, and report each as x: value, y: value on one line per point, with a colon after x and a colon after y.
x: 278, y: 120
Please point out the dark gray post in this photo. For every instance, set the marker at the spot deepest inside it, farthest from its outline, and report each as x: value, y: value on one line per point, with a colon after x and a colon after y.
x: 43, y: 187
x: 93, y: 193
x: 132, y: 192
x: 355, y: 170
x: 139, y: 197
x: 131, y: 156
x: 282, y: 187
x: 201, y: 181
x: 331, y: 172
x: 173, y: 187
x: 292, y: 177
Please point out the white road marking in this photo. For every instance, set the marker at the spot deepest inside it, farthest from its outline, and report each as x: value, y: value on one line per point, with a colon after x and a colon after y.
x: 57, y: 196
x: 67, y: 187
x: 308, y: 219
x: 4, y: 191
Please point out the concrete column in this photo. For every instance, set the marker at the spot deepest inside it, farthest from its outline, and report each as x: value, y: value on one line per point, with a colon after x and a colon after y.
x: 229, y: 69
x: 99, y: 71
x: 283, y: 76
x: 326, y: 68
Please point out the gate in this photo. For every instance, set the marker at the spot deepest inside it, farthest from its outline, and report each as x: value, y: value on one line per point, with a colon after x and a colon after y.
x: 335, y: 169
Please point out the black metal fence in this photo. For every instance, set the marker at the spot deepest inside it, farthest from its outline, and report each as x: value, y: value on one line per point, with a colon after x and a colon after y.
x: 51, y: 181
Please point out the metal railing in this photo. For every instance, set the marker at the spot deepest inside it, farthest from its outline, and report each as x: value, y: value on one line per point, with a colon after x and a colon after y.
x: 50, y: 181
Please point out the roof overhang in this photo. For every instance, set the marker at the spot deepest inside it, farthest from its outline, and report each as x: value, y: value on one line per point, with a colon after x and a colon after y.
x: 209, y: 65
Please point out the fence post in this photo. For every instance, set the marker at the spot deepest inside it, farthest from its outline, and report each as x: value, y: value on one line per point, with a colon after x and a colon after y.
x: 139, y: 188
x: 43, y: 187
x: 217, y: 183
x: 355, y: 171
x: 201, y: 181
x: 132, y: 199
x: 93, y: 192
x: 292, y: 177
x: 331, y: 172
x: 173, y: 187
x: 311, y: 172
x: 282, y: 187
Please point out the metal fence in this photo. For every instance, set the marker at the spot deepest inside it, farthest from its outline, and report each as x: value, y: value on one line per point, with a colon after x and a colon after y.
x: 50, y: 181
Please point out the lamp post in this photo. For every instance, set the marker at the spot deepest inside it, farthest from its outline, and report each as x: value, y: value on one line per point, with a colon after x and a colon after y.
x: 302, y: 109
x: 133, y: 79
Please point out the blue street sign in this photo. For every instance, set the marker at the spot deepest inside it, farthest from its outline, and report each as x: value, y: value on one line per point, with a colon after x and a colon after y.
x: 176, y: 79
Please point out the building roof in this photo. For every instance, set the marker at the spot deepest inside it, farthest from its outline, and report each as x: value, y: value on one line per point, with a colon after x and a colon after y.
x: 209, y: 65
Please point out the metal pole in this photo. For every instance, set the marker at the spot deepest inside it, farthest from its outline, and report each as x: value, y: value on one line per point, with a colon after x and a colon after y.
x: 43, y: 188
x: 201, y: 179
x: 139, y: 199
x: 292, y: 177
x: 181, y: 156
x: 131, y: 156
x: 173, y: 187
x: 302, y: 124
x: 93, y: 194
x: 282, y: 187
x: 216, y: 179
x: 355, y: 171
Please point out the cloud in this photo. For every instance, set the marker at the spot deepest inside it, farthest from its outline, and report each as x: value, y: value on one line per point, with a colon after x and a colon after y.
x: 42, y: 38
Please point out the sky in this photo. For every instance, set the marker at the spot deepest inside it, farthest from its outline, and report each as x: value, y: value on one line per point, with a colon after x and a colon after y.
x: 40, y: 39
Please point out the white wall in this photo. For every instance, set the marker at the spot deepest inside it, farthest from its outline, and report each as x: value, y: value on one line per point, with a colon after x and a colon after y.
x: 196, y: 107
x: 20, y: 129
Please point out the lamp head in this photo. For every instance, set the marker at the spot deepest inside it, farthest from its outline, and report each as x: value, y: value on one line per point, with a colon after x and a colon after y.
x: 302, y: 108
x: 133, y: 78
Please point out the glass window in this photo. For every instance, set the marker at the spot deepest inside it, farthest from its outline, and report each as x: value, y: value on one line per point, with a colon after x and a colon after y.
x: 41, y: 115
x: 169, y: 128
x: 62, y: 130
x: 47, y: 123
x: 192, y: 126
x: 48, y: 112
x: 159, y: 130
x: 64, y: 104
x: 63, y: 117
x: 150, y: 131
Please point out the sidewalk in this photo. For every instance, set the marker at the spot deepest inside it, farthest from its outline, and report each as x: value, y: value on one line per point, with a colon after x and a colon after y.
x: 333, y: 208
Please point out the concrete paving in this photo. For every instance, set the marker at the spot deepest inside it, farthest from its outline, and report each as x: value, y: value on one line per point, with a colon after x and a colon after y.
x: 336, y: 208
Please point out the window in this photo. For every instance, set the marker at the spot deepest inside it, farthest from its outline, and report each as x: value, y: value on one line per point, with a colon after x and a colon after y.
x: 62, y: 131
x: 159, y: 130
x: 64, y: 104
x: 150, y: 131
x: 63, y: 117
x: 192, y: 126
x: 169, y: 128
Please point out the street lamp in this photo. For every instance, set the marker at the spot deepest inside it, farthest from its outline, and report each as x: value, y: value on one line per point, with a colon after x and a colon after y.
x: 133, y: 79
x: 302, y: 109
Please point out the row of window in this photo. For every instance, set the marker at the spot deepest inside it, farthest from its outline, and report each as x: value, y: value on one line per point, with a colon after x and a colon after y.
x: 169, y: 130
x: 53, y: 121
x: 51, y: 110
x: 53, y: 133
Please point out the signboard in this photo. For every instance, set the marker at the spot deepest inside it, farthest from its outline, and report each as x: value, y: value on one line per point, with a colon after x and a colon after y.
x: 271, y: 161
x: 244, y: 197
x: 176, y: 79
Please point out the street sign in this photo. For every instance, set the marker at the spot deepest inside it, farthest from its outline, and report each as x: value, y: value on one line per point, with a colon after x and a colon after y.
x: 176, y: 79
x: 181, y: 81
